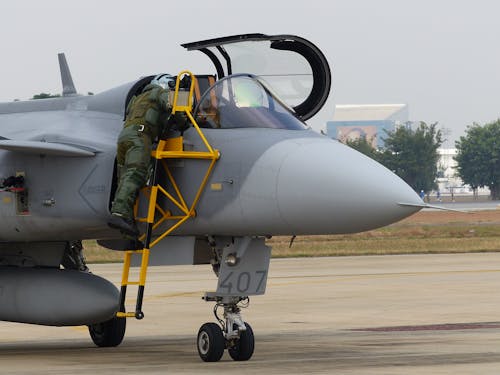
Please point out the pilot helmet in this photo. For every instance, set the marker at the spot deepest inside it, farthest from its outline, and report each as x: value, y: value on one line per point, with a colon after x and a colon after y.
x: 165, y: 81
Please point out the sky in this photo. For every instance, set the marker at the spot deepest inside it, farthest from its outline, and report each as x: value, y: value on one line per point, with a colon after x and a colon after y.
x: 441, y: 57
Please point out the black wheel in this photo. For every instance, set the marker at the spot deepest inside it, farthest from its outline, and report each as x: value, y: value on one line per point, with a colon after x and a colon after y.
x: 242, y: 350
x: 108, y: 333
x: 210, y: 343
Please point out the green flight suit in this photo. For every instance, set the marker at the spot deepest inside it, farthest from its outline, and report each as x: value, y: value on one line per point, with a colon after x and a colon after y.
x: 146, y: 119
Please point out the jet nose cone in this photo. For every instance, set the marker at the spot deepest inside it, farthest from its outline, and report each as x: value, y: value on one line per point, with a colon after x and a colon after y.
x: 327, y: 187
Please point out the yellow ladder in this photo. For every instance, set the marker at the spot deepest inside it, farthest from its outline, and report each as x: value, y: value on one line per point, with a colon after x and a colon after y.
x: 167, y: 149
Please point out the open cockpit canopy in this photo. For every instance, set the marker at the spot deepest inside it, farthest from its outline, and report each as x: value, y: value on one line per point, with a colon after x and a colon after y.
x: 296, y: 69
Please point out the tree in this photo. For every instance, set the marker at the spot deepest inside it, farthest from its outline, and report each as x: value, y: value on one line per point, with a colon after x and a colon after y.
x: 44, y: 95
x: 364, y: 146
x: 412, y: 155
x: 478, y: 157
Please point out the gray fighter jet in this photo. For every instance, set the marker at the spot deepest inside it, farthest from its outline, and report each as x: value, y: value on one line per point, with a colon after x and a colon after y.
x: 269, y: 174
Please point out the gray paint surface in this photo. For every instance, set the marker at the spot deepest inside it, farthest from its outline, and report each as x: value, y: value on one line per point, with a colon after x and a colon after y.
x: 269, y: 176
x: 274, y: 181
x: 55, y: 297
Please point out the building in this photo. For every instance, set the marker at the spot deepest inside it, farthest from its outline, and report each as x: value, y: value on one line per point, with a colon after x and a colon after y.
x: 352, y: 121
x: 448, y: 180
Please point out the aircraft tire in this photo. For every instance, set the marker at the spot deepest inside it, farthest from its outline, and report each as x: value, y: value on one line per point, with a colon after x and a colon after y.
x: 210, y: 342
x: 109, y: 333
x: 244, y: 347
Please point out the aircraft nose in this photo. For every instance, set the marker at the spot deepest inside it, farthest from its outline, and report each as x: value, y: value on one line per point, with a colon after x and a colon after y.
x: 327, y: 187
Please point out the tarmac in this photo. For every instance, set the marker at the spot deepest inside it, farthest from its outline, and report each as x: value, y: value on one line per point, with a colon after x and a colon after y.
x: 408, y: 314
x: 467, y: 205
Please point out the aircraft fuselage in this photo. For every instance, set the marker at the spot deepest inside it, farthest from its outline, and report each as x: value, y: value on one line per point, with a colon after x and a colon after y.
x: 268, y: 181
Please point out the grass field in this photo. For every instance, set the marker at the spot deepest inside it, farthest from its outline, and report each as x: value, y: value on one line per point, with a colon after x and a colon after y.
x: 424, y: 232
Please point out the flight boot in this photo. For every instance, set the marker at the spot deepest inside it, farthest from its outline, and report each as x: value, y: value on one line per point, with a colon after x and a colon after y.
x: 125, y: 225
x: 73, y: 258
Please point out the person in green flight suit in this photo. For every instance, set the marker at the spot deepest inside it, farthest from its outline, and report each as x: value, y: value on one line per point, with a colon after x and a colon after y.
x: 146, y: 119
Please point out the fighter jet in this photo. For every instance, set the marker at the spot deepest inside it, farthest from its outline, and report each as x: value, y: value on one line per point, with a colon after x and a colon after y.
x: 245, y: 168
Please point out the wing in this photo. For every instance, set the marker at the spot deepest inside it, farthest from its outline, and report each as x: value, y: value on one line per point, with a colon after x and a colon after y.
x: 46, y: 148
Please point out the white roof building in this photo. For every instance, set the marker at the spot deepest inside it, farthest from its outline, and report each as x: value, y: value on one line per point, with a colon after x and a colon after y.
x: 352, y: 121
x: 371, y: 112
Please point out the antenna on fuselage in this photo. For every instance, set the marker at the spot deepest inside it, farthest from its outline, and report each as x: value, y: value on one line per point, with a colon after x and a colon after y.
x: 67, y: 82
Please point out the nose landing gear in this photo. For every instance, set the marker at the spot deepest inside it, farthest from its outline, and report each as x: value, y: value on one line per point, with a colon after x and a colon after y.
x: 241, y: 265
x: 232, y: 334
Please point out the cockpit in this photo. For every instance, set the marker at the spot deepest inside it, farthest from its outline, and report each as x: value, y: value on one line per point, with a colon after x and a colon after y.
x: 239, y: 95
x: 244, y: 101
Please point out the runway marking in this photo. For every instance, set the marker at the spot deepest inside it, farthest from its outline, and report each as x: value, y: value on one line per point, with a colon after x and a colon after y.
x: 339, y: 277
x: 346, y: 277
x: 79, y: 328
x: 167, y: 295
x: 384, y: 274
x: 432, y: 327
x: 335, y: 277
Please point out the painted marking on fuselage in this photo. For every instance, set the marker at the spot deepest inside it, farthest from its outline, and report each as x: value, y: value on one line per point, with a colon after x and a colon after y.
x: 96, y: 189
x: 216, y: 186
x: 84, y: 189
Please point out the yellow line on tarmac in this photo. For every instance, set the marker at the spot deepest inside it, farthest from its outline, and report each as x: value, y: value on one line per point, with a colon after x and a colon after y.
x: 80, y: 328
x: 166, y: 295
x: 345, y: 277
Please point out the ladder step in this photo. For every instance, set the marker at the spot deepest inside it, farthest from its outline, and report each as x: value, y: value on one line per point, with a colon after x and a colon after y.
x: 120, y: 314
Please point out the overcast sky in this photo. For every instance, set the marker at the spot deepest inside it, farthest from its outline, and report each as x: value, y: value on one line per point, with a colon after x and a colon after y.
x: 441, y: 57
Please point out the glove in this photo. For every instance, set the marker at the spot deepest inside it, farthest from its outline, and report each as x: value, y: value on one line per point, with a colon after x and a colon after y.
x: 178, y: 121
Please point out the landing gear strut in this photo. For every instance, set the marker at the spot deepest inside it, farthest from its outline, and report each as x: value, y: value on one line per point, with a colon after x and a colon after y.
x: 232, y: 333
